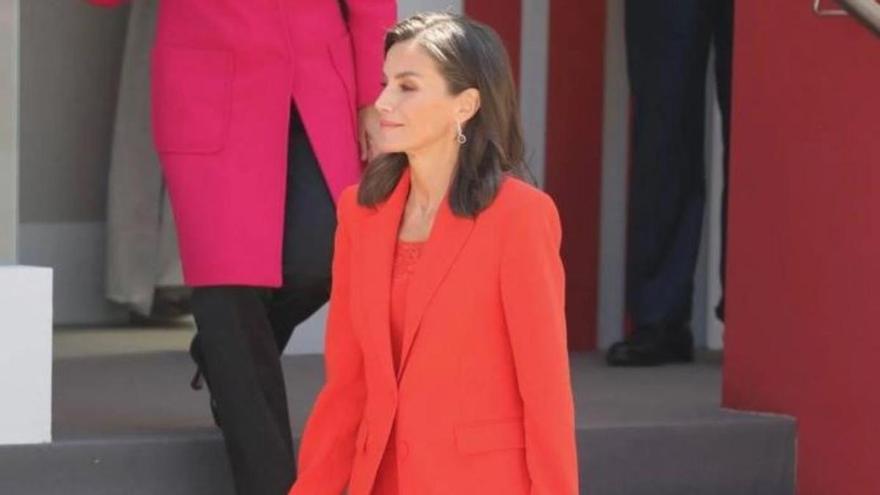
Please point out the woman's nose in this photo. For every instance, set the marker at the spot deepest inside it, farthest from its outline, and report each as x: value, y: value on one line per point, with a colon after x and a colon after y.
x: 383, y: 103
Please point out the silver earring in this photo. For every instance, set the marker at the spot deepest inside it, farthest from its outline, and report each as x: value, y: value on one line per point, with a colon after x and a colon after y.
x: 461, y: 138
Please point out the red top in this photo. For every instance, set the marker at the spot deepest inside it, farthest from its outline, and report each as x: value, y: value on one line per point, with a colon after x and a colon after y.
x: 405, y: 258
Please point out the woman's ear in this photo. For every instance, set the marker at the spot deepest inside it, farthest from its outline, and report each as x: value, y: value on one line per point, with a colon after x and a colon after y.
x: 468, y: 104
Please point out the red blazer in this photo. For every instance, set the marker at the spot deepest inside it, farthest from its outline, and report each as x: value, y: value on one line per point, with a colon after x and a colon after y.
x: 482, y: 401
x: 223, y: 76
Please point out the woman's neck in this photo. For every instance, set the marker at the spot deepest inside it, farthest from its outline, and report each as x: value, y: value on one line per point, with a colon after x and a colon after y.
x: 431, y: 172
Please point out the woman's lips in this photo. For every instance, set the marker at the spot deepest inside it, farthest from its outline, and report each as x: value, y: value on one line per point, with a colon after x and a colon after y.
x: 387, y: 124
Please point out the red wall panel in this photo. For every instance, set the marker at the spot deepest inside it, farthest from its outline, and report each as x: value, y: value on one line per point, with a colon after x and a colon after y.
x: 803, y: 328
x: 505, y: 17
x: 574, y: 151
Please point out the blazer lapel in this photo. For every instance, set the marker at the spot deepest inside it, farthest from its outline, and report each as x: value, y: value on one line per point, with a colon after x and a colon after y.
x: 448, y: 235
x: 379, y: 238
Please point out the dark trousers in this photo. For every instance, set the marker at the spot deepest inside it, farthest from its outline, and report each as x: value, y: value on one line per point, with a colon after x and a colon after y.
x: 668, y: 45
x: 242, y: 331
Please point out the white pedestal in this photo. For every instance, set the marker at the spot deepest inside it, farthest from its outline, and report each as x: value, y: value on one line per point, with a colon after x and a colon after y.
x: 25, y: 355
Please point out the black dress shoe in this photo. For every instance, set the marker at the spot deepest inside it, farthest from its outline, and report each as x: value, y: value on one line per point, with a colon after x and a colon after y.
x: 199, y: 379
x: 195, y: 353
x: 653, y: 345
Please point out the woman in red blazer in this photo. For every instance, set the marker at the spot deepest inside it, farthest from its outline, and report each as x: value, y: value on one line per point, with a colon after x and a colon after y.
x: 446, y: 360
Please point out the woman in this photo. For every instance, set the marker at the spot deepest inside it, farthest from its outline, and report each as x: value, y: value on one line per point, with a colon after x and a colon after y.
x: 447, y: 369
x: 259, y: 112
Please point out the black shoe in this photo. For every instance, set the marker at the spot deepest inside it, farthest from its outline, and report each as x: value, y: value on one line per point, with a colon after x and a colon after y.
x: 653, y: 345
x: 195, y: 353
x: 199, y: 379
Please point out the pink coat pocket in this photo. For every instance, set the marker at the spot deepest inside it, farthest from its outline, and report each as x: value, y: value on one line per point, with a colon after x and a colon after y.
x: 191, y: 98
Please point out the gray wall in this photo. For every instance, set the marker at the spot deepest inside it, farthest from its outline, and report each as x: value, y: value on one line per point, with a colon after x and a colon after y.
x: 8, y: 130
x: 70, y: 60
x: 613, y: 192
x: 406, y: 8
x: 70, y: 55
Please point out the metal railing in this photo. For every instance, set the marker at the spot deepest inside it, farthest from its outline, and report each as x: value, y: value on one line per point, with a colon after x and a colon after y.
x: 821, y: 7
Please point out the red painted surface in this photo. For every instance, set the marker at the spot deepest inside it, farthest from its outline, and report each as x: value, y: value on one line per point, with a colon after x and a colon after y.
x: 574, y: 152
x: 803, y: 333
x: 505, y: 16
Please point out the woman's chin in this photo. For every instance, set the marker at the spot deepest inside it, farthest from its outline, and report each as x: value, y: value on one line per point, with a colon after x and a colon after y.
x: 388, y: 148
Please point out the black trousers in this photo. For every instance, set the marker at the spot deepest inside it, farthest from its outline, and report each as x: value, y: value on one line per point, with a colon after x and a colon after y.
x: 242, y: 331
x: 668, y: 45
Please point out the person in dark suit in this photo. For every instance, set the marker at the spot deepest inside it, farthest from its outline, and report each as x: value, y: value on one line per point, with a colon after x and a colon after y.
x: 668, y: 46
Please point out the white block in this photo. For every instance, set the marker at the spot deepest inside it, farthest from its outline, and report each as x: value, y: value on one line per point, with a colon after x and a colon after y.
x: 25, y: 355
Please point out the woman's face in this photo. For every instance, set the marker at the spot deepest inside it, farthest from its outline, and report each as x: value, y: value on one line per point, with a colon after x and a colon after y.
x: 415, y: 107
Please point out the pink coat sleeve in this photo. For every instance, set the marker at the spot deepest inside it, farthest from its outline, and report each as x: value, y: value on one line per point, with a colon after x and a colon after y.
x: 368, y: 20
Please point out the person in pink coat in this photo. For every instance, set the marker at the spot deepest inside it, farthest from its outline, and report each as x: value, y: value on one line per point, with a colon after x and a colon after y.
x: 260, y: 113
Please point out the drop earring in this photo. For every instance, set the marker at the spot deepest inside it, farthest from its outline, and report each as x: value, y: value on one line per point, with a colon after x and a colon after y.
x: 461, y: 138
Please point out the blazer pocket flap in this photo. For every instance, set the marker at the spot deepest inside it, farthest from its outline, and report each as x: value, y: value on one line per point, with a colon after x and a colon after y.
x: 473, y: 438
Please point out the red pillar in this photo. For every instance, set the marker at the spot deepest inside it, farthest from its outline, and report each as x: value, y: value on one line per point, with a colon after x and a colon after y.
x: 574, y: 152
x: 803, y: 303
x: 505, y: 17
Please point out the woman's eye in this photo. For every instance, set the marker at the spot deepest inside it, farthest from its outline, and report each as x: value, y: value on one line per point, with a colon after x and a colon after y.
x: 403, y: 87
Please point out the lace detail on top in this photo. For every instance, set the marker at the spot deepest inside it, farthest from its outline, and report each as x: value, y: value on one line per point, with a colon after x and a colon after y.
x: 406, y: 257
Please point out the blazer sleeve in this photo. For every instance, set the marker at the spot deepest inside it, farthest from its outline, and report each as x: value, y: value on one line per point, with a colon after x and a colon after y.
x: 533, y: 296
x: 368, y: 20
x: 327, y: 449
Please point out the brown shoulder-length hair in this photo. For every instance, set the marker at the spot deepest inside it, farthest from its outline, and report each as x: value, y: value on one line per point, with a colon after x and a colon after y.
x: 468, y: 54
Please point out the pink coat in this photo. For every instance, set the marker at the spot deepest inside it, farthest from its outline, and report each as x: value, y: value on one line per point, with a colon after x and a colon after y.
x: 223, y: 76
